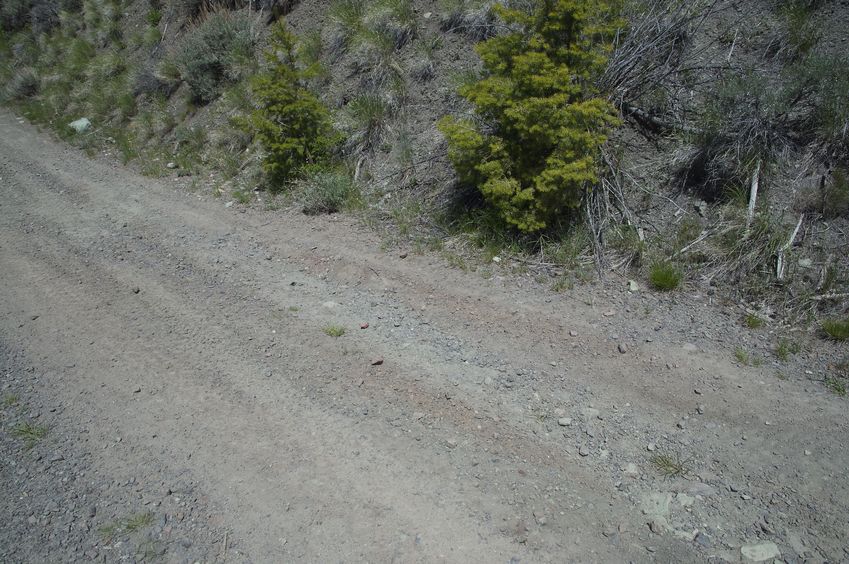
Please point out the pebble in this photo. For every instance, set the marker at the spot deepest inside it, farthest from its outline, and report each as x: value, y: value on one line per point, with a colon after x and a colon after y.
x: 171, y: 165
x: 584, y: 451
x: 700, y: 409
x: 658, y: 525
x: 565, y: 421
x: 377, y: 361
x: 703, y: 540
x: 633, y: 286
x: 136, y: 289
x: 137, y: 389
x: 623, y: 348
x: 651, y: 447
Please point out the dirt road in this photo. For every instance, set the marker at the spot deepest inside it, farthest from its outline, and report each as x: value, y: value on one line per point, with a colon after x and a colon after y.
x: 174, y: 352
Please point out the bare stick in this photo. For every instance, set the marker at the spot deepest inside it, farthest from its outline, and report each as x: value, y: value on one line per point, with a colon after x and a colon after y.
x: 830, y: 297
x: 700, y: 238
x: 753, y: 195
x: 779, y: 263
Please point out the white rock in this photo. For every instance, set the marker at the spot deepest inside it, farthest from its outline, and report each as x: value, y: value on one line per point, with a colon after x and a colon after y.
x: 760, y: 552
x: 633, y: 286
x: 81, y: 125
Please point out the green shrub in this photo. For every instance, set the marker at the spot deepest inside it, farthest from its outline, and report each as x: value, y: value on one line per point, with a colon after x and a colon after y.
x: 328, y: 192
x: 665, y: 276
x: 536, y: 153
x: 219, y: 50
x: 836, y: 329
x: 293, y: 126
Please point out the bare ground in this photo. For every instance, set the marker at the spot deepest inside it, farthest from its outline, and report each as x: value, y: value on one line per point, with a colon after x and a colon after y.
x: 174, y: 351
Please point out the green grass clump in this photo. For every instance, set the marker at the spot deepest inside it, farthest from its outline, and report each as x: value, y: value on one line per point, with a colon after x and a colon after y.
x: 329, y: 192
x: 334, y: 331
x: 218, y: 51
x: 786, y: 348
x: 837, y: 387
x: 836, y: 329
x: 752, y: 321
x: 29, y: 433
x: 129, y: 524
x: 668, y: 465
x: 665, y: 276
x: 9, y: 400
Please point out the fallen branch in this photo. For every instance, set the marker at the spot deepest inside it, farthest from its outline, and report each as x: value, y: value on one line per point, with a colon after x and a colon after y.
x: 704, y: 235
x: 826, y: 297
x: 779, y: 263
x: 753, y: 195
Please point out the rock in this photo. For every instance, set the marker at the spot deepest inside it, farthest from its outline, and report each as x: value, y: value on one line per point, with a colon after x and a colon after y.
x: 633, y: 286
x: 377, y: 361
x: 631, y: 470
x: 651, y: 447
x: 565, y: 421
x: 701, y: 207
x: 656, y: 504
x: 685, y: 500
x: 703, y: 540
x: 584, y: 451
x: 701, y: 489
x: 451, y: 443
x: 760, y: 552
x: 623, y: 348
x: 573, y: 333
x: 363, y: 325
x: 658, y: 525
x: 591, y: 413
x: 496, y: 259
x: 171, y: 165
x: 700, y: 409
x: 136, y: 290
x: 403, y: 255
x: 81, y: 125
x: 137, y: 389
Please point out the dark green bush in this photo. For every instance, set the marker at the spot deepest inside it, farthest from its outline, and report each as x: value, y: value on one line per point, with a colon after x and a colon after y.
x: 217, y: 51
x: 293, y: 126
x: 536, y: 154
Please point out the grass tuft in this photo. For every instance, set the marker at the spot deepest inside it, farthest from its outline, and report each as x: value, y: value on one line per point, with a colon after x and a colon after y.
x: 836, y: 329
x: 665, y: 276
x: 334, y: 331
x: 669, y: 465
x: 30, y: 433
x: 752, y: 321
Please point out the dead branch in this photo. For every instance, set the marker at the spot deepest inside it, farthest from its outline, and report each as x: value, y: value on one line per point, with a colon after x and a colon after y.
x: 779, y: 263
x: 753, y: 195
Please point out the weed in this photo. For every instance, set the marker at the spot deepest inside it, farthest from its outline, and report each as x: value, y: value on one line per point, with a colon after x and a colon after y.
x: 241, y: 196
x: 9, y: 400
x: 30, y: 433
x: 752, y: 321
x: 294, y: 309
x: 742, y: 356
x: 563, y: 284
x: 665, y: 276
x: 368, y: 115
x: 334, y: 331
x: 154, y: 16
x: 329, y: 191
x: 127, y: 525
x: 25, y: 83
x: 836, y: 329
x: 786, y: 348
x: 669, y: 465
x: 455, y: 260
x: 836, y: 386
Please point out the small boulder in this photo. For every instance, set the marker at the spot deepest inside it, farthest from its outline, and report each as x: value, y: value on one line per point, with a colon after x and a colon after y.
x: 81, y: 125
